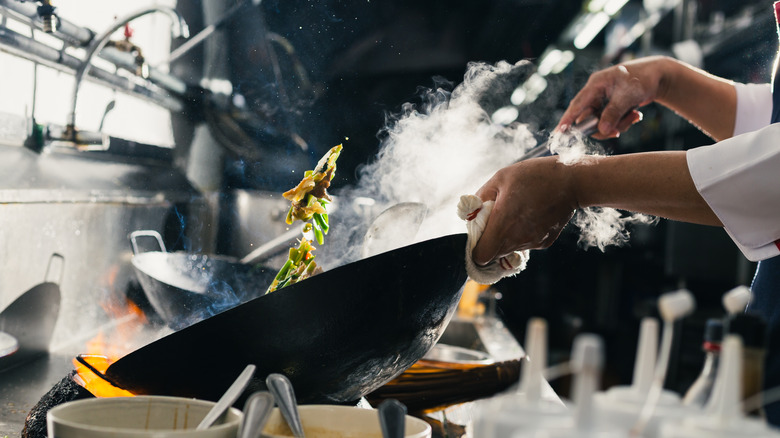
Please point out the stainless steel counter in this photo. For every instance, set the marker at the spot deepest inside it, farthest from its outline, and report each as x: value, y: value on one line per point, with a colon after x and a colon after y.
x: 23, y: 386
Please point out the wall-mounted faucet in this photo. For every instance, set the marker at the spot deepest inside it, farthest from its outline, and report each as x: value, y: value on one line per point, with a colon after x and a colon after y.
x: 48, y: 17
x: 179, y: 29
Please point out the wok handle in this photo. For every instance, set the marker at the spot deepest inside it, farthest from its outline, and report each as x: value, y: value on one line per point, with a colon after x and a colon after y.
x: 62, y: 267
x: 146, y: 233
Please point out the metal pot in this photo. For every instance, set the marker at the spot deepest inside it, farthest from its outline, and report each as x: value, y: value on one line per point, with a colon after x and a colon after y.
x: 337, y: 336
x: 185, y: 288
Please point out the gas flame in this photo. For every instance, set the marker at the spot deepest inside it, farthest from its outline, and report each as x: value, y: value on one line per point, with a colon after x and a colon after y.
x: 96, y: 384
x: 108, y: 346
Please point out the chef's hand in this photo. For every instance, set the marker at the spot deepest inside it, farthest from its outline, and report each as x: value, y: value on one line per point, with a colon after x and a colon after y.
x: 614, y: 94
x: 534, y: 200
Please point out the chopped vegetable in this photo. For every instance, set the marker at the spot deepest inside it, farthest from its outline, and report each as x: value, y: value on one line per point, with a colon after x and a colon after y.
x: 299, y: 266
x: 306, y: 197
x: 309, y: 203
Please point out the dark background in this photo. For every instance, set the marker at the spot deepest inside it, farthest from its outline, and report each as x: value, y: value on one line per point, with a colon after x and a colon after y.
x: 364, y: 59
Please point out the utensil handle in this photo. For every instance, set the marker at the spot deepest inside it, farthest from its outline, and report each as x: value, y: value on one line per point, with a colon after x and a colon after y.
x: 146, y: 233
x: 283, y: 392
x: 392, y: 418
x: 62, y: 267
x: 256, y: 411
x: 272, y: 246
x: 228, y: 398
x: 587, y: 128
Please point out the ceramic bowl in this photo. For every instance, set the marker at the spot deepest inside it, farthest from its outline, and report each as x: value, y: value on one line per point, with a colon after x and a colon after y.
x: 333, y: 421
x: 138, y: 417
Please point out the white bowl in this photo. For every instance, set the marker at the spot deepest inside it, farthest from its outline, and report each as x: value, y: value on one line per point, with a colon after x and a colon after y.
x: 138, y: 417
x: 332, y: 421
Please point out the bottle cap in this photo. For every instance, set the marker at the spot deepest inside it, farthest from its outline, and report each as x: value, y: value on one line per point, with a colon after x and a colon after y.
x: 675, y: 305
x: 737, y: 299
x: 713, y: 331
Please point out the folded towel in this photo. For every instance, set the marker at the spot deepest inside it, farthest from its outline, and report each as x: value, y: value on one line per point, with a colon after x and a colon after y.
x: 476, y: 213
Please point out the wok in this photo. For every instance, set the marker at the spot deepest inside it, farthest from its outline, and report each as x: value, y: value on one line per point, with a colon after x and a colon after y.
x: 185, y: 288
x: 337, y: 336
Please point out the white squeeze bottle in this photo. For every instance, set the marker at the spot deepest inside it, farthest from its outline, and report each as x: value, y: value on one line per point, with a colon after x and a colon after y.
x: 501, y: 416
x: 723, y: 416
x: 626, y: 405
x: 584, y: 422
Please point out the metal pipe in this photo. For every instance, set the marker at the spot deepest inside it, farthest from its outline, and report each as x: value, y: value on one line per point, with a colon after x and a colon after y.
x: 180, y: 29
x: 81, y: 36
x: 203, y: 34
x: 127, y: 61
x: 35, y: 51
x: 66, y: 30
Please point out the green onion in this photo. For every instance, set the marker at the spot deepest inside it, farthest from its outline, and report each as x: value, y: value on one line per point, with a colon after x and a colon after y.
x: 318, y: 234
x: 284, y: 271
x: 321, y: 222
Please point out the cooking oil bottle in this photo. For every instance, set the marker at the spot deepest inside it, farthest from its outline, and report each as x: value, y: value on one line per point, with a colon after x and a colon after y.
x: 701, y: 389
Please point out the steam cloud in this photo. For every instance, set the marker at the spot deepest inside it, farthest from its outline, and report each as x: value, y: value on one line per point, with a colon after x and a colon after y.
x: 599, y: 226
x: 448, y: 146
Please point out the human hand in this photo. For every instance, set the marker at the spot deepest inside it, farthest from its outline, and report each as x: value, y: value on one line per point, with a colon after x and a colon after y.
x: 614, y: 95
x: 534, y: 200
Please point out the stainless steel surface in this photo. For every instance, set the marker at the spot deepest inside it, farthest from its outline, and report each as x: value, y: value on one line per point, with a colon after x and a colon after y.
x: 228, y: 398
x: 83, y: 37
x: 28, y: 48
x: 101, y: 40
x: 84, y: 210
x: 254, y: 219
x: 66, y: 30
x: 23, y: 386
x: 392, y: 418
x: 486, y: 334
x: 256, y: 411
x: 8, y: 345
x: 394, y: 227
x: 272, y: 247
x: 457, y: 355
x: 31, y: 319
x: 284, y: 395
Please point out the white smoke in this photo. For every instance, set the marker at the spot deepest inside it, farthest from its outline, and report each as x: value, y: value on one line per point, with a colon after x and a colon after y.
x: 435, y: 152
x: 449, y: 146
x: 599, y: 226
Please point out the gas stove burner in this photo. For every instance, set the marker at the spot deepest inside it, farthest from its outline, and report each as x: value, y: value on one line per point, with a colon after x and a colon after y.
x: 64, y: 391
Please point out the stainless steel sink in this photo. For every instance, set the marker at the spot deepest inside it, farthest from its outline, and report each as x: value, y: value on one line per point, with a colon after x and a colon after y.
x: 462, y: 333
x: 483, y: 334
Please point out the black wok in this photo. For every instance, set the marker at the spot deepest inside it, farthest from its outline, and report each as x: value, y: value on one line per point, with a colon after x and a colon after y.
x: 338, y: 336
x: 185, y: 288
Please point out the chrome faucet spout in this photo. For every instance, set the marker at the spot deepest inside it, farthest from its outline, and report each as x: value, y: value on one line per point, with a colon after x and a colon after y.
x: 179, y: 29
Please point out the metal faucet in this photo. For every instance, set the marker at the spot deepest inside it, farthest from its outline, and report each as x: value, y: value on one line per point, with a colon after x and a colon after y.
x: 179, y: 29
x: 48, y: 16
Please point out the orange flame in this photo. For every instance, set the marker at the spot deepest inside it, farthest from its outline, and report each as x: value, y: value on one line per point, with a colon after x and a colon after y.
x: 107, y: 347
x: 97, y: 385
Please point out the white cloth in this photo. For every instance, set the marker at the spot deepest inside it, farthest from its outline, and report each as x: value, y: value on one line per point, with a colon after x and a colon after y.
x: 476, y: 213
x: 740, y: 177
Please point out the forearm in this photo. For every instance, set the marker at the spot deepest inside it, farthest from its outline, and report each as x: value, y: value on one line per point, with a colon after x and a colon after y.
x: 656, y: 183
x: 707, y: 101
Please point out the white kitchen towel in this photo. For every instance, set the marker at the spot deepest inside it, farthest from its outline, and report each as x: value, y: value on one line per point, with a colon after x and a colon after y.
x: 476, y: 213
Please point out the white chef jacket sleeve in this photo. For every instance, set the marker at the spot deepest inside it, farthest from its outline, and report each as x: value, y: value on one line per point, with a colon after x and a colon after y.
x: 740, y: 177
x: 754, y: 107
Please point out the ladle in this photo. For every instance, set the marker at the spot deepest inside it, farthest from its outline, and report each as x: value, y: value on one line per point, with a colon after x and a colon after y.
x: 256, y: 411
x: 283, y: 392
x: 228, y: 398
x: 396, y: 226
x: 392, y: 418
